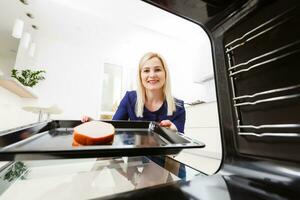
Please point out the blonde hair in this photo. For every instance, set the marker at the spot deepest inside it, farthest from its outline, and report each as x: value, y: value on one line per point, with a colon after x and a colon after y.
x: 141, y: 92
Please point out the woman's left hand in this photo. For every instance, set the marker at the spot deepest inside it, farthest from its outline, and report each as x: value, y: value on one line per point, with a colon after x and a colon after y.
x: 168, y: 124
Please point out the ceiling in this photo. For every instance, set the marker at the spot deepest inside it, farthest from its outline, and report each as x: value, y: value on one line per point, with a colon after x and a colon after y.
x: 68, y: 17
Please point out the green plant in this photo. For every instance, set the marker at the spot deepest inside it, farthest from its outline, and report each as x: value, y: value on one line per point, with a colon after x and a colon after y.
x: 28, y: 77
x: 17, y: 170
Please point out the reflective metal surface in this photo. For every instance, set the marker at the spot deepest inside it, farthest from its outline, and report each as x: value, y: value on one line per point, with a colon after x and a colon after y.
x: 88, y: 178
x: 207, y: 12
x: 234, y: 184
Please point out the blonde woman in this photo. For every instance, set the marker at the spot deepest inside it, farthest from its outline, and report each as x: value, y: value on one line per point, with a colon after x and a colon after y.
x: 153, y: 100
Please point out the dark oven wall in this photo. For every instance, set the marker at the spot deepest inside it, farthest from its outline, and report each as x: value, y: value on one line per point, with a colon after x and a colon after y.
x: 262, y: 54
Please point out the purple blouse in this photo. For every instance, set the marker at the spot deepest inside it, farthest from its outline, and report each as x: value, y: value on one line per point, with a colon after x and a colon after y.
x: 126, y: 111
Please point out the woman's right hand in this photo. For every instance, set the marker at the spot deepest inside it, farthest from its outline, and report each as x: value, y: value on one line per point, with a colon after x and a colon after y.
x: 86, y: 119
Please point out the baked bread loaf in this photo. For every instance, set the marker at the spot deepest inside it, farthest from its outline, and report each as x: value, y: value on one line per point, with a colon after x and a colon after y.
x: 93, y: 133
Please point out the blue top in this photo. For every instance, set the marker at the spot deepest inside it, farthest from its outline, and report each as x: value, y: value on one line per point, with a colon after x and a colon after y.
x: 126, y: 111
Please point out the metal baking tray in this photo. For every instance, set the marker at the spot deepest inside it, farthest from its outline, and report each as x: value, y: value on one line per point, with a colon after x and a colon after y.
x: 53, y: 140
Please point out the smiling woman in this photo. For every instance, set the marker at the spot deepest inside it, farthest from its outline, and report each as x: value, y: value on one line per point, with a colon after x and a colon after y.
x: 153, y: 100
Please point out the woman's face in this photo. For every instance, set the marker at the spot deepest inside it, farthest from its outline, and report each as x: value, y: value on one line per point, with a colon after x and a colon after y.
x: 153, y: 74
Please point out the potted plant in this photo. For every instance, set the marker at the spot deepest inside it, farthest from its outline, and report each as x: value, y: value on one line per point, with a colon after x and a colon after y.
x: 28, y: 77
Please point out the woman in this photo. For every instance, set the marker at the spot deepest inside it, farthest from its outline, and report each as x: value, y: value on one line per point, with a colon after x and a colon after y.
x: 153, y: 100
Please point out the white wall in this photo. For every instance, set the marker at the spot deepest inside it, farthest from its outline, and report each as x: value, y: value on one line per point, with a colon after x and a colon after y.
x: 11, y: 113
x: 7, y: 63
x: 182, y: 58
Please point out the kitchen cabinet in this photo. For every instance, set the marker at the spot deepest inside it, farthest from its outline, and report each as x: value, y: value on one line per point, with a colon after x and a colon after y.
x: 202, y: 124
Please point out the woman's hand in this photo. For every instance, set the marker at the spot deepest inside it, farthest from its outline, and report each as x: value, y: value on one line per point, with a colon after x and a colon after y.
x: 168, y: 124
x: 86, y: 119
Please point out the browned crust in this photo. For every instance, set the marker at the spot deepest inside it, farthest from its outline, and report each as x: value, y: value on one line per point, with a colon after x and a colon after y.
x: 80, y: 139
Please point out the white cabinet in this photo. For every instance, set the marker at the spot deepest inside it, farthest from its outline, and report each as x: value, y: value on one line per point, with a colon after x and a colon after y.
x: 202, y: 124
x: 203, y: 115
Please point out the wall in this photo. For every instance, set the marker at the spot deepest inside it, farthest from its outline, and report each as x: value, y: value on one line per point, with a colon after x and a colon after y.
x: 11, y: 113
x: 6, y: 63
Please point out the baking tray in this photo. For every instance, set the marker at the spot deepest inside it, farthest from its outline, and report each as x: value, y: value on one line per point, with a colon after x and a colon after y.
x: 53, y: 140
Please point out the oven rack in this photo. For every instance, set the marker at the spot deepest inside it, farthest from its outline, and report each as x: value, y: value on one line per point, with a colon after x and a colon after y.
x: 260, y: 30
x: 279, y: 98
x: 297, y: 135
x: 270, y: 126
x: 285, y: 90
x: 263, y: 62
x: 270, y: 134
x: 264, y: 55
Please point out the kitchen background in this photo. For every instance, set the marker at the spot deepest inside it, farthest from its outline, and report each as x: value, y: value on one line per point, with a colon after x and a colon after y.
x: 90, y: 51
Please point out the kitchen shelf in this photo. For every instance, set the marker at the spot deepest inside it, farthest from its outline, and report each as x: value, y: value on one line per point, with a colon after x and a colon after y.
x: 17, y: 88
